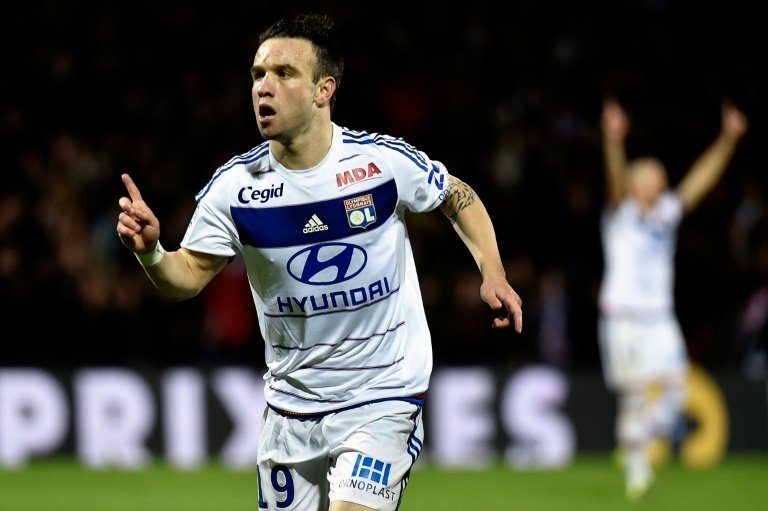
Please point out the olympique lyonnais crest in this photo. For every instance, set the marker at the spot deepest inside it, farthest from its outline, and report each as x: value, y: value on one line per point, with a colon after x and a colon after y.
x: 360, y: 211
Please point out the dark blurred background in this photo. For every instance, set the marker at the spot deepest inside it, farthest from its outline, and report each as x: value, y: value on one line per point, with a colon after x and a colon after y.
x: 506, y: 94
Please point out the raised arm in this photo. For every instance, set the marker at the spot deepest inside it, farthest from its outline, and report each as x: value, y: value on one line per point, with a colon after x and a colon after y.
x: 710, y: 166
x: 615, y: 127
x: 181, y: 274
x: 471, y: 221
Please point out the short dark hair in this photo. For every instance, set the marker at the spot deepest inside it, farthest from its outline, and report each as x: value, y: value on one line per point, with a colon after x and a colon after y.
x: 320, y: 30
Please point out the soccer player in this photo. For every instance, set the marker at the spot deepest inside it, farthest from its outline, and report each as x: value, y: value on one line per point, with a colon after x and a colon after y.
x: 640, y: 339
x: 317, y: 213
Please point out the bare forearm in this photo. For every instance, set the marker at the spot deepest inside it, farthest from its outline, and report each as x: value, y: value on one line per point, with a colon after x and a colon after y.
x: 473, y: 224
x: 615, y: 127
x: 179, y: 275
x: 615, y: 169
x: 707, y: 170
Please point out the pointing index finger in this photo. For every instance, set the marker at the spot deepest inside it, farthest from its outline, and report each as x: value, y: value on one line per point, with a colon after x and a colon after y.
x: 133, y: 190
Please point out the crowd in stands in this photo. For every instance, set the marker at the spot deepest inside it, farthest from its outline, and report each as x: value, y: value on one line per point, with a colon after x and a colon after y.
x: 508, y: 98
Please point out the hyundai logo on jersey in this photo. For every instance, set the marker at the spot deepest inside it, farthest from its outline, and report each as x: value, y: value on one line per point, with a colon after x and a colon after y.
x: 327, y: 263
x: 247, y: 194
x: 326, y: 302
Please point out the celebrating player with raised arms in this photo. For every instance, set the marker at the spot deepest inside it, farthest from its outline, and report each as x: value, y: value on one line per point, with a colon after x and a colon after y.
x: 641, y: 342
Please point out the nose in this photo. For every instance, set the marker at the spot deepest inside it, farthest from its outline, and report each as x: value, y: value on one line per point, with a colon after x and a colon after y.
x: 263, y: 86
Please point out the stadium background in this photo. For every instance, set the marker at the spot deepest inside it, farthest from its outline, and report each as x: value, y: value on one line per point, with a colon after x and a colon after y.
x: 507, y: 95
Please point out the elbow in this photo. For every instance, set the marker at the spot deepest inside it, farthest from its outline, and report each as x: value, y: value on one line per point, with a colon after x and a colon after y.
x: 182, y: 295
x: 179, y: 297
x: 179, y: 294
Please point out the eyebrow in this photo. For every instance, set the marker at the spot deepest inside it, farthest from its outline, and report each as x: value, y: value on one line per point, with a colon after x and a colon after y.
x: 279, y: 67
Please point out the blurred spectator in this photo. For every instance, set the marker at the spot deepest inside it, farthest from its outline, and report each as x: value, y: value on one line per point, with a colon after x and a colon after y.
x: 752, y: 326
x: 229, y: 319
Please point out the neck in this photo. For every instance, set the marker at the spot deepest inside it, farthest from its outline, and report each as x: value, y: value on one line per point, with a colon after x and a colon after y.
x: 305, y: 150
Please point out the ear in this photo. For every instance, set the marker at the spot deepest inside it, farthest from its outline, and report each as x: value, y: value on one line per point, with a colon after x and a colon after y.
x: 325, y: 89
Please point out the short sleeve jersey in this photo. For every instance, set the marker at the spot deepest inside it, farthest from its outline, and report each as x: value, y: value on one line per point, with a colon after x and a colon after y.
x: 330, y: 266
x: 639, y: 257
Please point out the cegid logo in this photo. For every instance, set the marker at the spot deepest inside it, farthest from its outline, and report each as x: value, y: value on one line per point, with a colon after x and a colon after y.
x: 248, y: 194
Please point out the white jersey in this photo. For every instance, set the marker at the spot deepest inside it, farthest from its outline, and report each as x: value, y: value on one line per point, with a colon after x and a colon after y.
x: 639, y: 258
x: 330, y: 266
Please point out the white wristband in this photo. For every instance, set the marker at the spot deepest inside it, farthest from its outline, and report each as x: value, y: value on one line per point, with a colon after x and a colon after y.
x: 151, y: 258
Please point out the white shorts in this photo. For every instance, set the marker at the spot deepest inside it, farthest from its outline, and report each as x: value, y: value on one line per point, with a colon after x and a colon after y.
x: 362, y: 455
x: 637, y: 352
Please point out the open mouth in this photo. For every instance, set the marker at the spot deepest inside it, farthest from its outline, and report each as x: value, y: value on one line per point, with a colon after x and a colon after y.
x: 266, y: 112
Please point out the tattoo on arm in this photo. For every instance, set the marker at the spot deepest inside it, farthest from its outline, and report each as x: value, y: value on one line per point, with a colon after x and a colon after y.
x: 458, y: 196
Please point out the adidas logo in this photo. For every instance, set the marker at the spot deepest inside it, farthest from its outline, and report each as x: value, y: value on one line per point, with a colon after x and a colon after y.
x: 314, y: 224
